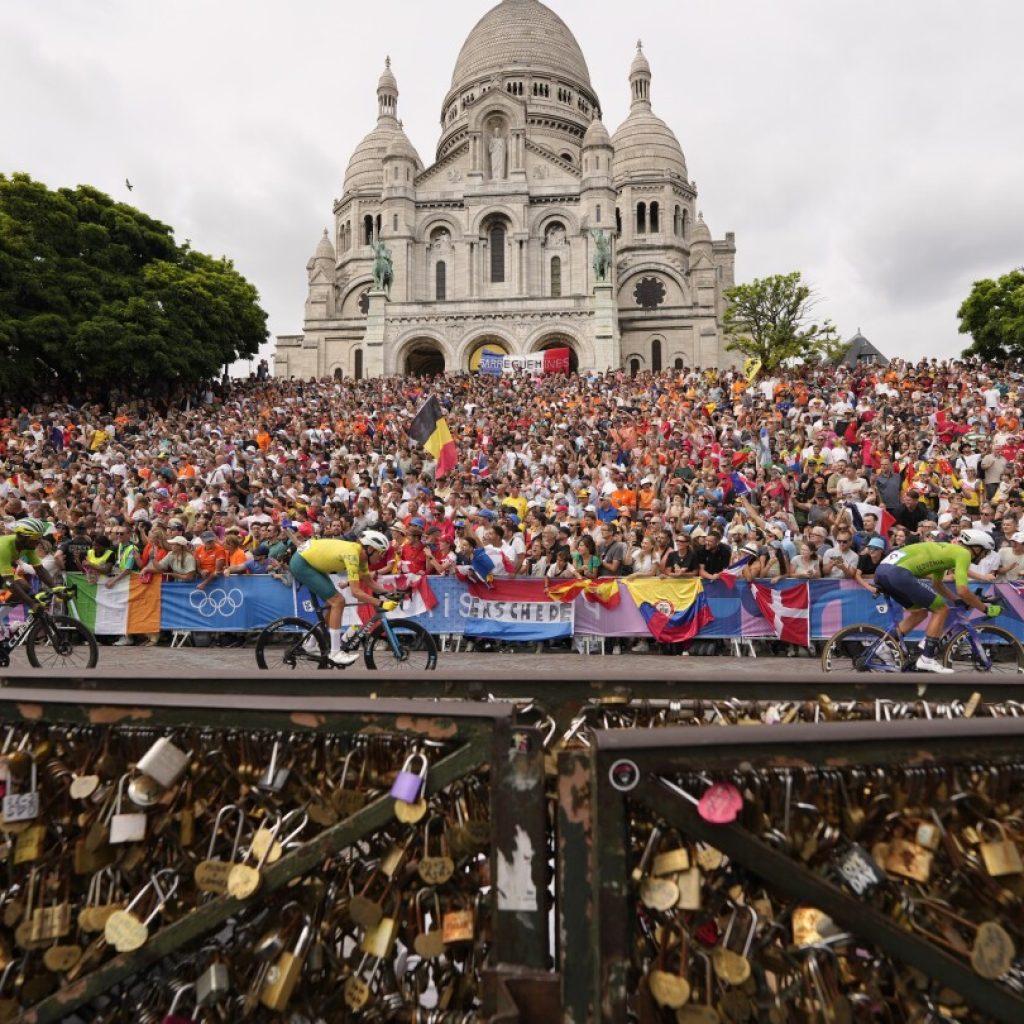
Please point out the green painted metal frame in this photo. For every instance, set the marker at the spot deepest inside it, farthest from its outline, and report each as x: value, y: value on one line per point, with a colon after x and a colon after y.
x: 662, y: 752
x: 484, y: 736
x: 563, y: 696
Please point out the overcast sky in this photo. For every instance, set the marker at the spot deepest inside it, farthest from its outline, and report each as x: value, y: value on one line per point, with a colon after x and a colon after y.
x: 875, y: 146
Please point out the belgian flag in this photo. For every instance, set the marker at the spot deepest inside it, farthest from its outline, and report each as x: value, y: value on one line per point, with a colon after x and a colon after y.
x: 429, y: 429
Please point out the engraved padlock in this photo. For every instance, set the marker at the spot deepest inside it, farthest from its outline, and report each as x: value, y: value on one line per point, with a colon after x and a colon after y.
x: 126, y: 826
x: 23, y: 806
x: 408, y: 785
x: 164, y: 762
x: 1000, y: 855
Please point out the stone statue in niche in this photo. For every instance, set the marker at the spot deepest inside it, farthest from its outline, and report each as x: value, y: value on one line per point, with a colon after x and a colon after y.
x: 497, y: 153
x: 555, y: 236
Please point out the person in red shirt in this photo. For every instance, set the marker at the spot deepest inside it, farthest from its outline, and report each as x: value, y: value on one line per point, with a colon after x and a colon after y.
x: 414, y: 554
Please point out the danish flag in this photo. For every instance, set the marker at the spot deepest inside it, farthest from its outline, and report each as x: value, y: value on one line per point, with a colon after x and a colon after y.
x: 788, y: 611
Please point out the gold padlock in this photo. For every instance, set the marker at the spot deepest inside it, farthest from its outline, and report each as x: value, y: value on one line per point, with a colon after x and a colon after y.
x: 1001, y: 855
x: 457, y: 925
x: 379, y: 939
x: 283, y: 975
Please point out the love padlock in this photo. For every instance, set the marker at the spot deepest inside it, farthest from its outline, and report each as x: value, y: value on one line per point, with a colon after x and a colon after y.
x: 409, y: 784
x: 172, y: 1016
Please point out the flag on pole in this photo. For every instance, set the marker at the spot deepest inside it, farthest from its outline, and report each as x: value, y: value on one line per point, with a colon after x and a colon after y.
x: 788, y: 611
x: 429, y: 429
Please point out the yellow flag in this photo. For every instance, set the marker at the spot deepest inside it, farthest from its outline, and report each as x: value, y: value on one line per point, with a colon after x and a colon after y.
x: 751, y: 368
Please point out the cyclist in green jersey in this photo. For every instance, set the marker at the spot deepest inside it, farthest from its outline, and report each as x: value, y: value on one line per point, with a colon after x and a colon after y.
x: 20, y: 546
x: 914, y: 577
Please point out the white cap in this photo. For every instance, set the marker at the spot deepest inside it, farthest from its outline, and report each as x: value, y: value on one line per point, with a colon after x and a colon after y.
x: 1018, y: 538
x: 945, y: 519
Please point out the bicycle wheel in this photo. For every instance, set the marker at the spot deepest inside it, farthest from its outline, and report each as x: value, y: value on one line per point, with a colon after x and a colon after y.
x: 999, y: 651
x: 846, y: 651
x: 289, y: 643
x: 59, y: 641
x: 417, y: 651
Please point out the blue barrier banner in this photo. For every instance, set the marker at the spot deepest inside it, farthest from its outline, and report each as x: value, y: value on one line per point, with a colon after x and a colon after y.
x: 521, y: 610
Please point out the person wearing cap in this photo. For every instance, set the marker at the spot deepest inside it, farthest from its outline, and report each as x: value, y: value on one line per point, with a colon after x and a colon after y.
x: 867, y: 532
x: 179, y: 563
x: 867, y: 562
x: 211, y: 558
x: 1011, y: 559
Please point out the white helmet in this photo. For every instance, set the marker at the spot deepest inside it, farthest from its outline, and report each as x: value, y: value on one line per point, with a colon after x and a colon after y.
x: 373, y: 539
x: 977, y: 539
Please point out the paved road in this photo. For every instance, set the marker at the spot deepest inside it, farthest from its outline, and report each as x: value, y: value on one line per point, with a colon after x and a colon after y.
x: 151, y: 660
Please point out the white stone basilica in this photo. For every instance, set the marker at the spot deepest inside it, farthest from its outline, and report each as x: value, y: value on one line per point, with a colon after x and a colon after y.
x: 493, y: 244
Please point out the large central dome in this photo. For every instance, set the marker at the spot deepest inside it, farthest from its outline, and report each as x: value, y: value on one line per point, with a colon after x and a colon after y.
x: 520, y: 35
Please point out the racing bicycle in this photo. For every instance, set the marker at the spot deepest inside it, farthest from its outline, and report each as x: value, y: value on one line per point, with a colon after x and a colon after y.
x: 397, y: 644
x: 869, y: 648
x: 51, y: 640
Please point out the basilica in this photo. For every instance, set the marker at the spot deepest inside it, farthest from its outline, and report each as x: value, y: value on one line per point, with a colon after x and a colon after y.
x: 492, y: 246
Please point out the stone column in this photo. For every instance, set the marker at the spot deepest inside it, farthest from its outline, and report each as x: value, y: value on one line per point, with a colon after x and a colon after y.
x: 607, y: 342
x: 373, y: 340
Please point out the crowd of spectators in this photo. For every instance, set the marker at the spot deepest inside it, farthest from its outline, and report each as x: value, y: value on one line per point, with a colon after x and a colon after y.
x: 677, y: 474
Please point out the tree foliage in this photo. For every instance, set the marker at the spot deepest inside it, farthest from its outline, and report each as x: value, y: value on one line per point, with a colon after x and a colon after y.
x: 94, y: 292
x: 770, y: 319
x: 993, y: 315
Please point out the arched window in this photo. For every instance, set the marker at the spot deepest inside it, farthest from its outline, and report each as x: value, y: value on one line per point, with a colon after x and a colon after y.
x: 358, y: 374
x: 641, y: 218
x: 654, y: 218
x: 367, y: 230
x: 682, y: 224
x: 618, y: 221
x: 378, y: 225
x: 440, y: 281
x: 394, y: 222
x: 337, y: 373
x: 677, y: 221
x: 598, y: 213
x: 497, y: 242
x: 634, y: 367
x: 678, y: 364
x: 656, y: 355
x: 556, y: 277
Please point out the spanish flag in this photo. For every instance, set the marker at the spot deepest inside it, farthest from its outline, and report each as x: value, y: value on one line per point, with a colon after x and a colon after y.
x: 429, y: 429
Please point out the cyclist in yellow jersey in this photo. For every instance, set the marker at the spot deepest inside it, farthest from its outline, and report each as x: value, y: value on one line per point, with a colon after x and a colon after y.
x: 901, y: 576
x: 312, y: 566
x: 20, y: 546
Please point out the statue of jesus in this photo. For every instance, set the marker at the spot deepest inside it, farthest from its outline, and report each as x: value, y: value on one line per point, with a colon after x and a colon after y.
x: 497, y: 151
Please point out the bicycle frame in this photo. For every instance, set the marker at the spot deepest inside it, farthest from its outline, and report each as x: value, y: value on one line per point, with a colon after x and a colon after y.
x: 956, y: 620
x: 377, y: 621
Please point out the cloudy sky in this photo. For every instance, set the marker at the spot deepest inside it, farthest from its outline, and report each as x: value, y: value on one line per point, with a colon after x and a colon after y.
x: 874, y: 146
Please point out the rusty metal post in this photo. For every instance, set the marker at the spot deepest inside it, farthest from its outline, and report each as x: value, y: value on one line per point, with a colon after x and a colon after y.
x: 519, y: 849
x: 613, y: 920
x: 575, y: 934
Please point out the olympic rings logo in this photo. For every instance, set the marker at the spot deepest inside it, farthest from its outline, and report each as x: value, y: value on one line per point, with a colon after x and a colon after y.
x: 216, y: 602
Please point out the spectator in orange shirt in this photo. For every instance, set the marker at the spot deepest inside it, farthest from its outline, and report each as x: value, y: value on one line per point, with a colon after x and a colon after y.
x: 210, y: 556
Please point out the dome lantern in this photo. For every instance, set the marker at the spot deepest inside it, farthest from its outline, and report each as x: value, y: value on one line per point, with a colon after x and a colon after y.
x: 640, y: 79
x: 387, y: 93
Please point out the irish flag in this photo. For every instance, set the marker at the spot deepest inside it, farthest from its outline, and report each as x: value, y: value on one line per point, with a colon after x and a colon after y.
x: 125, y: 608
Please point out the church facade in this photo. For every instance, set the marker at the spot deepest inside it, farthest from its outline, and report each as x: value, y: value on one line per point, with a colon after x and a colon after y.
x: 492, y: 245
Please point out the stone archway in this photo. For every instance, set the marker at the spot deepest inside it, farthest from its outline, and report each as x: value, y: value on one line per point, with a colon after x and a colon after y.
x: 561, y: 341
x: 423, y: 358
x: 488, y: 343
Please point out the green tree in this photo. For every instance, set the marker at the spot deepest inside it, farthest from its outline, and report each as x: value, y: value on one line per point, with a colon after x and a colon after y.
x: 94, y: 292
x: 770, y: 319
x: 993, y: 315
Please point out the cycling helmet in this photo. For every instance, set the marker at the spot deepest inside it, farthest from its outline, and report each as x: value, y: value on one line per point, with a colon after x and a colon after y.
x: 33, y: 528
x: 977, y: 539
x: 373, y: 539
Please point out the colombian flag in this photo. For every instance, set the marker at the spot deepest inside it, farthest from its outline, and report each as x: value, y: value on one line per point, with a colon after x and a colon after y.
x: 429, y: 429
x: 674, y: 610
